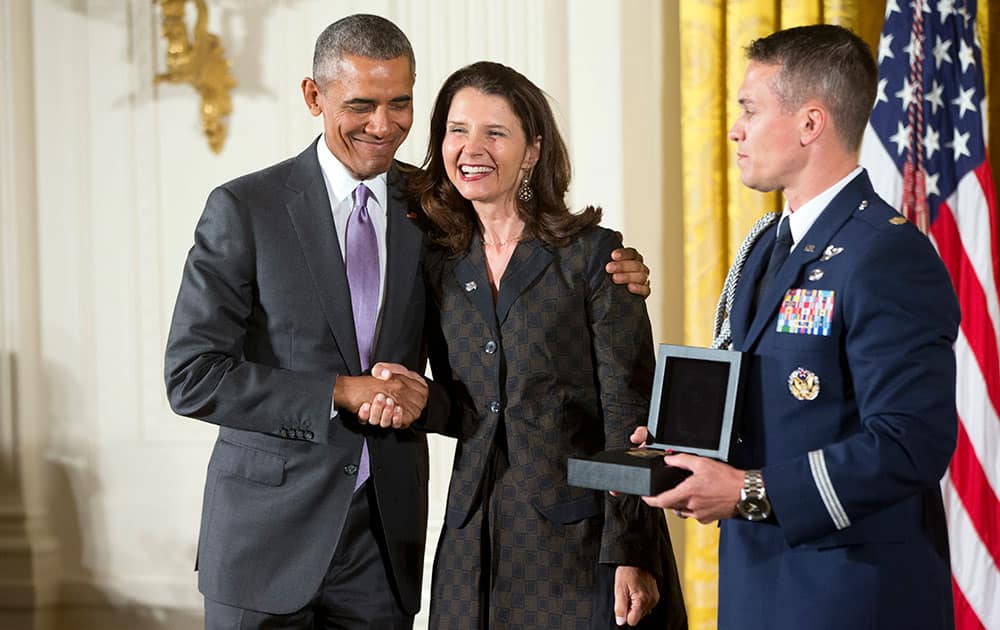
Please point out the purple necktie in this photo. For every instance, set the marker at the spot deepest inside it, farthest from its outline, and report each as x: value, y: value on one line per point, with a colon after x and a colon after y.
x: 361, y: 259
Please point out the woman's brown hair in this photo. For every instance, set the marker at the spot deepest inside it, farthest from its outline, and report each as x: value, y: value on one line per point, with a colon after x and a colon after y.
x: 546, y: 216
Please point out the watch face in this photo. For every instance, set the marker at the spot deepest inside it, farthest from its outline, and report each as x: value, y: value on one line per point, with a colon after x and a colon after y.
x: 754, y: 509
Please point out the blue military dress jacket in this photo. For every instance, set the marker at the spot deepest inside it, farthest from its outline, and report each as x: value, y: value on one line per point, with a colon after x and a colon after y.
x: 850, y: 413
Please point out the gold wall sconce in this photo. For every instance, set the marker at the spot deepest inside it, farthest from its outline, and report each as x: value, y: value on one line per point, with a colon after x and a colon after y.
x: 199, y: 60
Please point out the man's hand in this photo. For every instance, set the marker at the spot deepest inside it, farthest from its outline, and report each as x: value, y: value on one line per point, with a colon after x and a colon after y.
x: 709, y: 494
x: 393, y: 397
x: 626, y: 267
x: 387, y: 412
x: 635, y: 595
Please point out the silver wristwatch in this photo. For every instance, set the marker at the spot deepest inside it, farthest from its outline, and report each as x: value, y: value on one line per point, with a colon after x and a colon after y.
x: 753, y: 504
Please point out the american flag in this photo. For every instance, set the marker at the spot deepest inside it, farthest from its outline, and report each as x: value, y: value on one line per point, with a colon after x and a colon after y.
x: 925, y: 151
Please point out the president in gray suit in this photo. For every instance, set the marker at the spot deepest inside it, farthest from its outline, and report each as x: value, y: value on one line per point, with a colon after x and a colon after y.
x: 264, y: 338
x: 303, y: 275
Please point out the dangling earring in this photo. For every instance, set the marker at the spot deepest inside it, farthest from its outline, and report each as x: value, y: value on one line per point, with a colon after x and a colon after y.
x: 524, y: 192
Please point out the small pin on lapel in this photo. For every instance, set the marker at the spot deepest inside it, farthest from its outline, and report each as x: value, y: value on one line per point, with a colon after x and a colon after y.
x: 862, y: 205
x: 830, y: 252
x: 810, y: 248
x: 470, y: 286
x: 898, y: 220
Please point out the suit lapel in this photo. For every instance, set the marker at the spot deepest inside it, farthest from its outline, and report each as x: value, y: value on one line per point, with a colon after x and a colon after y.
x: 312, y: 219
x: 530, y: 259
x: 739, y: 318
x: 470, y: 275
x: 403, y: 242
x: 810, y: 248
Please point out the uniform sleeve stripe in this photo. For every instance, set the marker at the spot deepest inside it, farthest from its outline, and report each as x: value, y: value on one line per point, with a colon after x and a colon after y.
x: 817, y: 462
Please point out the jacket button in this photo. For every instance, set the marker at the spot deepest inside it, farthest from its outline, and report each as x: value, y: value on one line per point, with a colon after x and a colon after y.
x: 495, y: 407
x: 350, y: 470
x: 491, y: 347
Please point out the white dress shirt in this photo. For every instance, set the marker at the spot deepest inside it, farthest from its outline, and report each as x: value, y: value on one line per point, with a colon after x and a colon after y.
x: 340, y: 185
x: 802, y: 219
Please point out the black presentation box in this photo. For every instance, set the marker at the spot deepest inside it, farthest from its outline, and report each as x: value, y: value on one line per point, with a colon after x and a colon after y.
x: 695, y: 398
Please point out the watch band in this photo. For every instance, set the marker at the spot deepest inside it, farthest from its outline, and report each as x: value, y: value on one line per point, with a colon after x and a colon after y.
x: 753, y: 485
x: 753, y: 504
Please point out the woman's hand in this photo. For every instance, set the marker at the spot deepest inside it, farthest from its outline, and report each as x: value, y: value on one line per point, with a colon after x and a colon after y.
x: 636, y: 594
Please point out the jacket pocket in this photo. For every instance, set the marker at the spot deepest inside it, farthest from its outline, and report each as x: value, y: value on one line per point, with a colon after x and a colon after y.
x: 572, y: 511
x: 877, y: 529
x: 249, y: 463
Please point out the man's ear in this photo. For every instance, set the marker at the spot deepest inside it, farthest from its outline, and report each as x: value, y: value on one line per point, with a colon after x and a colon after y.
x: 312, y: 95
x: 813, y: 122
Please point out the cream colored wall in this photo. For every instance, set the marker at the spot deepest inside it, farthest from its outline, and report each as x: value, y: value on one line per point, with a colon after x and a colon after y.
x: 28, y: 560
x: 102, y: 178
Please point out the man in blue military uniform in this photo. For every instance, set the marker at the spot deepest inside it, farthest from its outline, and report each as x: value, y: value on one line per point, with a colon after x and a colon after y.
x: 831, y: 514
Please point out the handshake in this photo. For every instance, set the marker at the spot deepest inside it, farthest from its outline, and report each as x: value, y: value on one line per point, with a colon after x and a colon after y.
x: 392, y: 397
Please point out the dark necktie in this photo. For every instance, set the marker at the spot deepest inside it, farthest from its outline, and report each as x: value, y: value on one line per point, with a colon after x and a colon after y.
x: 782, y: 247
x: 361, y: 259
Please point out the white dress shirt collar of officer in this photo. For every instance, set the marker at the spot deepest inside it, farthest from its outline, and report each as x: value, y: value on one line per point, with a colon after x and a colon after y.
x: 802, y: 219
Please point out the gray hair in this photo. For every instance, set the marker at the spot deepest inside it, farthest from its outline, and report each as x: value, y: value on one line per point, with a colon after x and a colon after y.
x: 359, y: 35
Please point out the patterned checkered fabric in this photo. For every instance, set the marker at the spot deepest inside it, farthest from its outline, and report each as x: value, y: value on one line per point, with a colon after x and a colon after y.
x: 560, y: 366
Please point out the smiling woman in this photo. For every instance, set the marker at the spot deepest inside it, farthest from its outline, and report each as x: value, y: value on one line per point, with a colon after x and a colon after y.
x: 486, y: 152
x: 555, y: 363
x: 486, y: 110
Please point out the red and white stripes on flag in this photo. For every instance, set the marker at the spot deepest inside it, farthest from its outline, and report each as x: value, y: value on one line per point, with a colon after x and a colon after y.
x: 925, y: 151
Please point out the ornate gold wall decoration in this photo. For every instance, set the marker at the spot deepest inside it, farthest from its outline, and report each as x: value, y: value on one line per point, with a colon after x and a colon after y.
x: 200, y: 62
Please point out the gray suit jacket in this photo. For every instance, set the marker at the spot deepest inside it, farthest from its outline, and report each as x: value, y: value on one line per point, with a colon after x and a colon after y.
x: 261, y: 329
